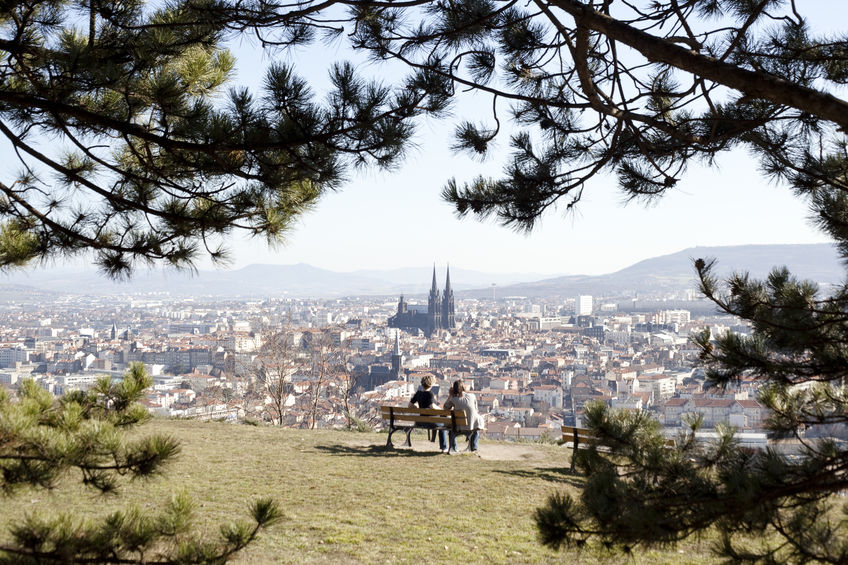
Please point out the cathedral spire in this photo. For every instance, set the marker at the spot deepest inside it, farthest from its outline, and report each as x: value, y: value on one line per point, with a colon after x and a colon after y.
x: 448, y: 317
x: 434, y: 288
x: 434, y: 307
x: 397, y: 358
x: 439, y: 316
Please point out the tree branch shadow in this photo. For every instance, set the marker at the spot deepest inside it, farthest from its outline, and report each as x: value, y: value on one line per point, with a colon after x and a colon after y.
x: 550, y: 474
x: 375, y: 451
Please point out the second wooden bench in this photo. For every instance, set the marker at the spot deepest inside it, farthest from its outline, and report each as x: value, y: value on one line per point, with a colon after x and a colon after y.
x: 585, y: 436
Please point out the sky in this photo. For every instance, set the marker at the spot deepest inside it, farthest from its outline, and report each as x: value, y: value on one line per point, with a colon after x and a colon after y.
x: 387, y: 220
x: 383, y: 220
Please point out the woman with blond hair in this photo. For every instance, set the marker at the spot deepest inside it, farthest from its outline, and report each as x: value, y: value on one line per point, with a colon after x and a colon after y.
x: 459, y: 399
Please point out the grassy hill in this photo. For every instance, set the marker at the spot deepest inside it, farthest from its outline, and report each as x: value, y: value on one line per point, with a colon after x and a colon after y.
x: 348, y: 500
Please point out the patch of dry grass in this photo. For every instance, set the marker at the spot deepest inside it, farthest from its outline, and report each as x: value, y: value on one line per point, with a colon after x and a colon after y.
x: 346, y: 499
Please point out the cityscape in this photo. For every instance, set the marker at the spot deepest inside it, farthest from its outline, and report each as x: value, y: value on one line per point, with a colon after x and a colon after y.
x: 533, y: 362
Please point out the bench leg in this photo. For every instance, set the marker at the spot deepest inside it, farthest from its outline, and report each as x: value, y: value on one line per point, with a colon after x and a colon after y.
x: 576, y: 444
x: 408, y: 439
x: 389, y: 441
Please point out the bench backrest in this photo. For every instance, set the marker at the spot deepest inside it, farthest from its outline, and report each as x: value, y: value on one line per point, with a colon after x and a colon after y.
x: 578, y: 435
x: 451, y: 419
x: 587, y: 436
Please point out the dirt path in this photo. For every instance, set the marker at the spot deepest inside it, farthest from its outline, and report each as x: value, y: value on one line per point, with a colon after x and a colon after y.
x: 494, y: 451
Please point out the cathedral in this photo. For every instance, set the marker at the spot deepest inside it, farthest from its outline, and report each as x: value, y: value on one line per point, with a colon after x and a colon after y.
x: 438, y: 316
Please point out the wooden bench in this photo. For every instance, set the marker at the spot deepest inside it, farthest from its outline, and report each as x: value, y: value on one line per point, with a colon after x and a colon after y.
x: 585, y: 436
x: 431, y: 419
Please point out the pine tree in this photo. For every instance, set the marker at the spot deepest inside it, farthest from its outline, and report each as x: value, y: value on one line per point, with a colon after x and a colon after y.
x: 43, y: 440
x: 128, y: 146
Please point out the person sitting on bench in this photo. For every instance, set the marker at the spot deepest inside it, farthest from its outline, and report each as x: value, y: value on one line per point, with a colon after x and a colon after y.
x: 424, y: 398
x: 458, y: 399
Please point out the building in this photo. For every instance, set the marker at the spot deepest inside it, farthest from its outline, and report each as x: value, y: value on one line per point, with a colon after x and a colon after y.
x: 440, y: 313
x: 583, y: 305
x: 11, y: 355
x: 676, y: 316
x: 397, y: 359
x: 742, y: 413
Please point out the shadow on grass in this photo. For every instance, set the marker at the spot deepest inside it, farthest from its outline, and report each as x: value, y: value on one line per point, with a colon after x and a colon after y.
x: 375, y: 451
x: 551, y: 474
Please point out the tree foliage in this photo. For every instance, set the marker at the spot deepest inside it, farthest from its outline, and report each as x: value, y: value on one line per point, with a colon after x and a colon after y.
x: 638, y: 89
x: 42, y: 440
x: 764, y: 506
x: 128, y: 144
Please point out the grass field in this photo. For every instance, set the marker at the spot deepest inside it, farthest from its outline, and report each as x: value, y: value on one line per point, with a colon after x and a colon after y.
x: 346, y: 499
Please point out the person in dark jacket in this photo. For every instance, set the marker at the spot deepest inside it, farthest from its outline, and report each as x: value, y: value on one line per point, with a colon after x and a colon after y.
x: 424, y: 398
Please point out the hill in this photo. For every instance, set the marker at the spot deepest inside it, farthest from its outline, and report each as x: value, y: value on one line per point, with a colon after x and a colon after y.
x: 346, y: 499
x: 675, y: 272
x: 299, y: 280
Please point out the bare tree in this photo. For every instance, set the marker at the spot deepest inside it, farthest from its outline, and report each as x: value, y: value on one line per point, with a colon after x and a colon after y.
x: 273, y: 367
x: 346, y: 381
x: 349, y: 382
x: 323, y: 360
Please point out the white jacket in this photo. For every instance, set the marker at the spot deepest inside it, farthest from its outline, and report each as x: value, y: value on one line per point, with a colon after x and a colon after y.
x: 468, y: 404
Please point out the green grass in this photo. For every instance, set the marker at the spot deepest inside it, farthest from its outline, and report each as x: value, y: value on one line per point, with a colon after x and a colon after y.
x: 346, y: 499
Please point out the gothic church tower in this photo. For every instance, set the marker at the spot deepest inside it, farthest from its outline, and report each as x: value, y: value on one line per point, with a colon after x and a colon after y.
x: 434, y: 307
x: 438, y: 316
x: 448, y: 316
x: 397, y: 358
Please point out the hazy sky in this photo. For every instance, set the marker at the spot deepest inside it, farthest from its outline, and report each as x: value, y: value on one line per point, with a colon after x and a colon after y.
x: 383, y: 220
x: 389, y: 220
x: 397, y: 220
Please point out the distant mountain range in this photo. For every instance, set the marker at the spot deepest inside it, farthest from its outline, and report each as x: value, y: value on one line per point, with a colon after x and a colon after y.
x: 818, y: 262
x: 300, y: 280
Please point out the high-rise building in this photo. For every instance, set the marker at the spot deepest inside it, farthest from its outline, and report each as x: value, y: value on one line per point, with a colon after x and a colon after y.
x: 583, y: 305
x: 676, y: 316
